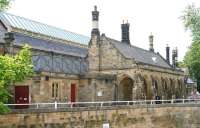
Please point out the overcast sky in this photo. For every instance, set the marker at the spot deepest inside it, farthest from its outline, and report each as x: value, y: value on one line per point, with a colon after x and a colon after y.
x: 161, y: 17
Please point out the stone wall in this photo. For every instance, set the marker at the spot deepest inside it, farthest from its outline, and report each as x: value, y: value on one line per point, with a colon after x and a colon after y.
x: 148, y: 80
x: 41, y: 87
x: 171, y: 116
x: 111, y: 58
x: 87, y: 89
x: 96, y: 90
x: 93, y: 54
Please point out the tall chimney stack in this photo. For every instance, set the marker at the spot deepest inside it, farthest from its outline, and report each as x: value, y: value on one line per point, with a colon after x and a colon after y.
x: 175, y: 57
x: 168, y: 54
x: 125, y: 32
x: 95, y: 22
x: 151, y: 43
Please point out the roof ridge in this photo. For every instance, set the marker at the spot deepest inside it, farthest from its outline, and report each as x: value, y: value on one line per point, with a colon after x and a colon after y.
x: 24, y: 18
x: 130, y: 45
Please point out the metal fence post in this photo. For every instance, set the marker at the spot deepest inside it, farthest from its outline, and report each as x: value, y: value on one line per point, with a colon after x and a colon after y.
x: 37, y: 105
x: 71, y: 105
x: 56, y: 105
x: 101, y: 104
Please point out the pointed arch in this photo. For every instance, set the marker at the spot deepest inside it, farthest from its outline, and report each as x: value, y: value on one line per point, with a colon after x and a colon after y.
x: 147, y: 87
x: 154, y: 84
x: 164, y: 87
x: 125, y: 88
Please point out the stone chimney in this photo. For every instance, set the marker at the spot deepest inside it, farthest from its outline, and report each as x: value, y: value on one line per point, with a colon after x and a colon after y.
x: 168, y: 54
x: 151, y: 43
x: 125, y: 32
x: 94, y: 45
x: 175, y: 57
x: 95, y: 22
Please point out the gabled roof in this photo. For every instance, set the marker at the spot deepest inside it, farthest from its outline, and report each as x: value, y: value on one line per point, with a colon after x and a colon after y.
x: 139, y: 54
x: 40, y: 28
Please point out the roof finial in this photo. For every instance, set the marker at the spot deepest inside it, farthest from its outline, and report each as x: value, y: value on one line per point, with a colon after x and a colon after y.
x: 95, y: 8
x: 151, y: 42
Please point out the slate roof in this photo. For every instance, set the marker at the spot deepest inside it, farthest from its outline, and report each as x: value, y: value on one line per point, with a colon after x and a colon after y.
x: 139, y: 54
x: 37, y: 27
x: 50, y: 46
x: 129, y: 51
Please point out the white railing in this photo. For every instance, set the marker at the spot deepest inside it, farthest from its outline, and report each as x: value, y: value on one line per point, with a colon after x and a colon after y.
x: 101, y: 104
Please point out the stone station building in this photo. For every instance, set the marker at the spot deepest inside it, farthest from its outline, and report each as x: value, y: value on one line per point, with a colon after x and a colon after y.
x: 74, y: 68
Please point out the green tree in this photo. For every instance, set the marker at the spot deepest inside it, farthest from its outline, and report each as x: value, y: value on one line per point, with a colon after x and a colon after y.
x: 191, y: 20
x: 181, y: 64
x: 4, y: 4
x: 13, y: 69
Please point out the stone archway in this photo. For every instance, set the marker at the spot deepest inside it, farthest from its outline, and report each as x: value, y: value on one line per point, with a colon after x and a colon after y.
x: 126, y: 89
x: 172, y: 88
x: 154, y: 84
x: 179, y: 89
x: 182, y: 88
x: 145, y: 86
x: 164, y: 88
x: 147, y: 90
x: 168, y: 91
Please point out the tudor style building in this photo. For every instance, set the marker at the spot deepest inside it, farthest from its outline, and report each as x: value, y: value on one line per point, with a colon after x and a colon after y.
x: 71, y: 67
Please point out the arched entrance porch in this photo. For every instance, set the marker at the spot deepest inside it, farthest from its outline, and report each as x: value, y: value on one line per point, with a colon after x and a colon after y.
x: 126, y: 89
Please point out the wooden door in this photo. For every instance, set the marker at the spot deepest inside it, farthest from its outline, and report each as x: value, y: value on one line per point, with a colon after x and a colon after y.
x: 21, y: 96
x: 73, y: 92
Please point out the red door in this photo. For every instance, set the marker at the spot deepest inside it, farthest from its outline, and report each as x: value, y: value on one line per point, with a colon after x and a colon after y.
x: 73, y: 92
x: 21, y: 96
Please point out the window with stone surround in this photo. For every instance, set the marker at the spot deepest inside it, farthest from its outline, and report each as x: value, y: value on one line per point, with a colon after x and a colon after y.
x: 55, y: 88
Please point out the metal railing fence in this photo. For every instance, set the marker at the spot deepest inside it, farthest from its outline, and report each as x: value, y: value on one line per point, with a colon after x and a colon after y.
x: 101, y: 104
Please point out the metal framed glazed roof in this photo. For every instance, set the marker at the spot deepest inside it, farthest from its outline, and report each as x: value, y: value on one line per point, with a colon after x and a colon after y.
x: 40, y: 28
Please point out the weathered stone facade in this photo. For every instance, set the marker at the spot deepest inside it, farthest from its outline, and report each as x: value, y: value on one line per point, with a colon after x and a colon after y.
x: 135, y: 78
x: 171, y: 116
x: 103, y: 70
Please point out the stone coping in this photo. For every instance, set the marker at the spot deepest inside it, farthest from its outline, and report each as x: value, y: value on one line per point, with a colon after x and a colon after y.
x: 80, y: 109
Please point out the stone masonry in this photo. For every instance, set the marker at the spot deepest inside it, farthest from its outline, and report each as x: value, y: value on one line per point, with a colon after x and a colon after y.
x: 171, y: 116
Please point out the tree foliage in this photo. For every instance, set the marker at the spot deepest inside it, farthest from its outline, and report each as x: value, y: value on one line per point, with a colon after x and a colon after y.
x: 4, y: 4
x: 13, y: 69
x: 191, y: 20
x: 181, y: 64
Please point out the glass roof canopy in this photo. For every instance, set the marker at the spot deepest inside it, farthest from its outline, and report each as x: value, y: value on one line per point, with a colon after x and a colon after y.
x: 37, y: 27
